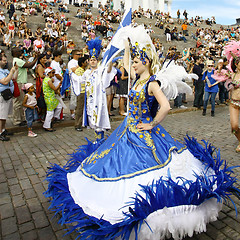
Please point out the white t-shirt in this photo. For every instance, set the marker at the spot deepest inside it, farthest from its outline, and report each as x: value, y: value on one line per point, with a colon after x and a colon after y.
x: 2, y: 18
x: 56, y: 66
x: 72, y: 64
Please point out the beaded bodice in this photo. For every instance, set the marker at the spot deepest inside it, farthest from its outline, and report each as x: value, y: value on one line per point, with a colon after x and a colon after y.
x: 139, y: 107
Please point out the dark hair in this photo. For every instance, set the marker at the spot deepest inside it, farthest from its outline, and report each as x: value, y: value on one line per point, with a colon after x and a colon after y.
x: 234, y: 63
x: 81, y: 60
x: 74, y: 51
x: 196, y: 58
x: 2, y: 56
x: 57, y: 53
x: 41, y: 56
x: 16, y: 51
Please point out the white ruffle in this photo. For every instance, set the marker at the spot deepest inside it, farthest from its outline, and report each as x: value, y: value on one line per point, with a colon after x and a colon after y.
x: 106, y: 199
x: 179, y: 222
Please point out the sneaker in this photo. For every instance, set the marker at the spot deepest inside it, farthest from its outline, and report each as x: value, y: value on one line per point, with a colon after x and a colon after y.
x: 204, y: 112
x: 7, y: 133
x: 31, y: 134
x: 23, y: 123
x: 4, y: 138
x: 183, y: 107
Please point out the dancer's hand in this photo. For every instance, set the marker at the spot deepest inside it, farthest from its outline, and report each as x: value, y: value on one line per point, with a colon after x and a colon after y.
x: 144, y: 126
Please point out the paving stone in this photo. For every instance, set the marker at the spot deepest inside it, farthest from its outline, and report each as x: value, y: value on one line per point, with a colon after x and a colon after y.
x: 3, y: 187
x: 23, y: 214
x: 232, y: 223
x: 41, y: 172
x: 30, y: 171
x: 46, y: 233
x: 5, y: 198
x: 12, y: 181
x: 39, y: 189
x: 34, y: 205
x: 40, y: 219
x: 6, y: 210
x: 31, y: 235
x: 10, y: 174
x: 9, y: 226
x: 15, y: 189
x: 22, y: 175
x: 218, y: 224
x: 230, y: 233
x: 13, y: 236
x: 18, y: 201
x: 29, y: 193
x: 34, y: 179
x: 25, y: 184
x: 8, y: 166
x: 26, y: 227
x: 2, y: 178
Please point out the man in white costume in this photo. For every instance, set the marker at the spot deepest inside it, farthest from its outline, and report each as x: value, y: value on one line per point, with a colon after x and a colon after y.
x: 95, y: 114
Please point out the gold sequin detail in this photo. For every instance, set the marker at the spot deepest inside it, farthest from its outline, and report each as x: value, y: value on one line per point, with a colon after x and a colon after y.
x: 163, y: 135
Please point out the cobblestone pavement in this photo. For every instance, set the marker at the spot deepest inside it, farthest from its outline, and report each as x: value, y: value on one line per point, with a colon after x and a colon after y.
x: 24, y: 161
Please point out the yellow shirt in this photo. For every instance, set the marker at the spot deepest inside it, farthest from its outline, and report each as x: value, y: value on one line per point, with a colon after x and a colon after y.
x: 79, y: 71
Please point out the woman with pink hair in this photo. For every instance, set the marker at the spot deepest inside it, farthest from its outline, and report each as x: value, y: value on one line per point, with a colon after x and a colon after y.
x: 232, y: 78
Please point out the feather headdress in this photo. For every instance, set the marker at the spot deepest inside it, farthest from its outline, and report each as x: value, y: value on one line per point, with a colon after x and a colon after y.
x: 94, y: 47
x: 232, y: 51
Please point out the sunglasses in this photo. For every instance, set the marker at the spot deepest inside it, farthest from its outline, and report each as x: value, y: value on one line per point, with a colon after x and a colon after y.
x: 210, y: 65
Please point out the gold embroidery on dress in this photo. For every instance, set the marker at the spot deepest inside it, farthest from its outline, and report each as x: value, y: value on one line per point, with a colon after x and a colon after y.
x: 95, y: 115
x: 97, y: 156
x: 135, y: 173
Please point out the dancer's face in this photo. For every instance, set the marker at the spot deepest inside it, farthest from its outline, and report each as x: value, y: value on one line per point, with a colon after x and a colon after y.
x: 139, y: 67
x: 93, y: 62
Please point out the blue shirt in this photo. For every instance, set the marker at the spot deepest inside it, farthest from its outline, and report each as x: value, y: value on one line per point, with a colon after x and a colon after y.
x: 212, y: 81
x: 4, y: 73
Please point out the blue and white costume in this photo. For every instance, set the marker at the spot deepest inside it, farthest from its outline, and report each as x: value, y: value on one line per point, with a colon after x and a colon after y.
x: 142, y: 183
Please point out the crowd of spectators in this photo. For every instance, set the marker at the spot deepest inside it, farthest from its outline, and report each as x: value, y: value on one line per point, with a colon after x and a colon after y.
x: 52, y: 40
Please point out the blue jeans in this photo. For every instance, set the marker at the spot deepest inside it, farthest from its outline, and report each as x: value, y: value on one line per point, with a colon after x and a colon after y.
x: 31, y: 116
x: 178, y: 100
x: 206, y: 97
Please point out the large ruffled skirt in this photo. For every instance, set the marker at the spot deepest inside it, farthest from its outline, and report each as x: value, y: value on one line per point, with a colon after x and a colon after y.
x: 140, y: 184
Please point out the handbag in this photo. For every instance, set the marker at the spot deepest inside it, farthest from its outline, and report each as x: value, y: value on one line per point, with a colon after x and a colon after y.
x: 16, y: 92
x: 41, y: 102
x: 7, y: 94
x: 235, y: 95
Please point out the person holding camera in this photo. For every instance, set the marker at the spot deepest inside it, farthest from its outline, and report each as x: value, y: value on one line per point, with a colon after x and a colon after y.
x: 18, y: 114
x: 6, y: 94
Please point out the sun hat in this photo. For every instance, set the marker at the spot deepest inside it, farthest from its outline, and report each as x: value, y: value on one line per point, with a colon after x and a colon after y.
x: 48, y: 70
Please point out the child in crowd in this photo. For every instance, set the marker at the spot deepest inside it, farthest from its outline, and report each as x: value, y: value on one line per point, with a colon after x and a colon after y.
x: 30, y: 106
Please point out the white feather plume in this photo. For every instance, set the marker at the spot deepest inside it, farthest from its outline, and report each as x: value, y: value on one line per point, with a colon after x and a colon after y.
x: 171, y: 77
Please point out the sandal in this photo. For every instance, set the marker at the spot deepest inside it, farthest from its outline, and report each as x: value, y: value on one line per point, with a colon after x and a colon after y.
x: 238, y: 148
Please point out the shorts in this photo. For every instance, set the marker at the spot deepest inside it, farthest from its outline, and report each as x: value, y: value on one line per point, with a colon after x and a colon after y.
x: 5, y: 108
x: 110, y: 90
